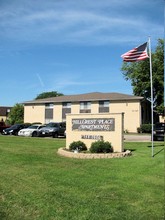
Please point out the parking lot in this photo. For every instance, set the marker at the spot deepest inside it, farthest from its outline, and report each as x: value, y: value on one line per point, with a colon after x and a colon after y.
x: 136, y: 137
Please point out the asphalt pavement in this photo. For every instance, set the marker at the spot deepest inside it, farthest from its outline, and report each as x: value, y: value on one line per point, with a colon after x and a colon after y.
x: 137, y: 137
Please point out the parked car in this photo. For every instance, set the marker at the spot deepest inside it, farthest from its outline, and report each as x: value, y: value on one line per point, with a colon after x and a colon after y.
x: 158, y: 134
x: 14, y: 129
x: 31, y: 131
x: 53, y: 129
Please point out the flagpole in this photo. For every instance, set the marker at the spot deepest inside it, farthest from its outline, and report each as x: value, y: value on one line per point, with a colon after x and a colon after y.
x: 152, y: 115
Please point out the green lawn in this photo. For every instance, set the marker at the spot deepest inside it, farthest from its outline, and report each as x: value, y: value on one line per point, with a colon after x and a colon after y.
x: 36, y: 183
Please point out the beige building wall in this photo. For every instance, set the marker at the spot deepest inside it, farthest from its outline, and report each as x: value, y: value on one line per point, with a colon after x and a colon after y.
x: 57, y: 112
x: 131, y: 110
x: 3, y: 118
x: 34, y: 113
x: 75, y: 108
x: 132, y: 114
x: 95, y: 107
x: 115, y: 137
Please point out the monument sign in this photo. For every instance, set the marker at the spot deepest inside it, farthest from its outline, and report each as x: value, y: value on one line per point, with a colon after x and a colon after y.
x: 93, y: 127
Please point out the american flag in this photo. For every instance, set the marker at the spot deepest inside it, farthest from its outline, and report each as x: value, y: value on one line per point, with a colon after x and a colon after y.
x: 136, y: 54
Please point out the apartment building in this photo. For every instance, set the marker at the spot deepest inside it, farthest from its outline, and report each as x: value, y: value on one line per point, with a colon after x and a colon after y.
x: 4, y: 112
x: 135, y: 108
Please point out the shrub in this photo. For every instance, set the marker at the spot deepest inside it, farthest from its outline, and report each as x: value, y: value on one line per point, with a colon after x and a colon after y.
x: 144, y: 128
x: 139, y: 130
x: 77, y: 145
x: 101, y: 147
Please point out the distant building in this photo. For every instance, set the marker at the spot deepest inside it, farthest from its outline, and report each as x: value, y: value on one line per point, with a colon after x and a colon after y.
x: 4, y: 112
x: 162, y: 116
x: 136, y: 109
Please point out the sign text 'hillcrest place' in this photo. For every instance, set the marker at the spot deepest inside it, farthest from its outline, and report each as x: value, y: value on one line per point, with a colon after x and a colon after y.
x: 93, y: 124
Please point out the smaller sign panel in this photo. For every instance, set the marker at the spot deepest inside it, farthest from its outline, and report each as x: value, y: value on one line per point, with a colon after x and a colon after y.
x: 94, y: 137
x: 93, y: 124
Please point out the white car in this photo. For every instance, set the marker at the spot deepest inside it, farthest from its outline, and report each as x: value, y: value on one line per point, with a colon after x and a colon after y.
x: 31, y: 131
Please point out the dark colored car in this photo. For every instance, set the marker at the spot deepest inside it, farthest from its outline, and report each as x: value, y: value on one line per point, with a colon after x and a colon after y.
x: 53, y: 129
x: 14, y: 129
x: 158, y: 134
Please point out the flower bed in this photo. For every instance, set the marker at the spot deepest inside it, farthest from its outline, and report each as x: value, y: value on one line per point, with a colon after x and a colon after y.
x: 64, y: 152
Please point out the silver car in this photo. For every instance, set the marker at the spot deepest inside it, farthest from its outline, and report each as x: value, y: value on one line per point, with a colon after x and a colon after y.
x: 31, y: 131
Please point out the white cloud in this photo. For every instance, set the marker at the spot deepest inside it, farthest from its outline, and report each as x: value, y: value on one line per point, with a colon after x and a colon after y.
x: 88, y: 22
x: 40, y: 80
x: 65, y: 81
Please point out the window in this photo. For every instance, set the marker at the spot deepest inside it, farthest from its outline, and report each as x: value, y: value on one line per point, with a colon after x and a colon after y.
x: 66, y: 104
x: 103, y: 103
x: 48, y: 105
x: 85, y: 107
x: 48, y: 112
x: 66, y: 108
x: 103, y: 106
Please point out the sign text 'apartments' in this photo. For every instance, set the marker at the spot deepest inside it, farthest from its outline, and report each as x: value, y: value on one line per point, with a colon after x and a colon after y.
x: 93, y: 124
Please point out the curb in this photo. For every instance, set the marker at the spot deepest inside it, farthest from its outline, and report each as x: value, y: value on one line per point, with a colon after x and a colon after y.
x: 65, y: 153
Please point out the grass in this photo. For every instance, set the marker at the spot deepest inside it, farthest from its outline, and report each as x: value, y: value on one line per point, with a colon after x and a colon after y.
x: 38, y: 184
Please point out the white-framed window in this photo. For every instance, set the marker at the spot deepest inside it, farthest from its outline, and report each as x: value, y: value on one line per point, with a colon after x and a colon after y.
x: 66, y: 108
x: 85, y: 105
x: 103, y: 103
x: 103, y: 106
x: 66, y: 104
x: 49, y: 105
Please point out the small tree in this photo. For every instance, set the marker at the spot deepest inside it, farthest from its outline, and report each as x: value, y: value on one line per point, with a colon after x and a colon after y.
x: 16, y: 114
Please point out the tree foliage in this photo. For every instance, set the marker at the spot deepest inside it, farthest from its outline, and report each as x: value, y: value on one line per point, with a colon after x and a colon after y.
x: 16, y: 114
x: 48, y: 95
x: 139, y: 75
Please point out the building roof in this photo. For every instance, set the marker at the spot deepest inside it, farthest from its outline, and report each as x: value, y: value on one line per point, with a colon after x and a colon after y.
x: 94, y: 96
x: 4, y: 110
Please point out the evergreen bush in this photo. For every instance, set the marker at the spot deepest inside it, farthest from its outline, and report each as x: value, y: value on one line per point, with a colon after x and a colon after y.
x: 144, y: 128
x: 77, y: 145
x: 101, y: 147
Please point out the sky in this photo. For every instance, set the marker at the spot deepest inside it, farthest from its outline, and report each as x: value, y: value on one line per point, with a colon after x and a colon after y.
x: 71, y: 46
